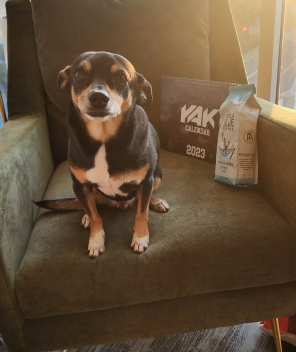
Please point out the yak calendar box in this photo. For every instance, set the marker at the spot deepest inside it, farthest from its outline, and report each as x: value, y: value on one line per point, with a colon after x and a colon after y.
x: 189, y: 116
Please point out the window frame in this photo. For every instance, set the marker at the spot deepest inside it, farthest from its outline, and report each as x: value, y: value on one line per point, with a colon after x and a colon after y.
x: 272, y: 15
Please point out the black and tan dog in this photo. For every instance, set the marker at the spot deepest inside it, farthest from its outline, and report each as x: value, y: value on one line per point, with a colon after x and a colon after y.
x: 113, y: 150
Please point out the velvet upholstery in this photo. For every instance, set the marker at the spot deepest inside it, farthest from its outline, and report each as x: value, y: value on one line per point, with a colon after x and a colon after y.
x: 163, y: 318
x: 159, y: 37
x: 214, y: 238
x: 277, y: 167
x: 25, y: 86
x: 25, y: 168
x: 26, y: 165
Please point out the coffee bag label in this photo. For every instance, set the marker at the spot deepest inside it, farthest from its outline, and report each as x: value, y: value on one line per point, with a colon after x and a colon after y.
x: 237, y: 160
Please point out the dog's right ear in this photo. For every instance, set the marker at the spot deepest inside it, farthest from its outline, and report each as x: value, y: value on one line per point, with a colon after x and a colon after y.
x: 144, y: 93
x: 64, y: 80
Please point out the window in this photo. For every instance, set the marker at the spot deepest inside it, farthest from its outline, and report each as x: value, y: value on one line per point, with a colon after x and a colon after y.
x: 276, y: 84
x: 246, y: 15
x: 287, y: 96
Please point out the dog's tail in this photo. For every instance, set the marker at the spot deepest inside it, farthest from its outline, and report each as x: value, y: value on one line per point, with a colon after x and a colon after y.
x: 60, y: 204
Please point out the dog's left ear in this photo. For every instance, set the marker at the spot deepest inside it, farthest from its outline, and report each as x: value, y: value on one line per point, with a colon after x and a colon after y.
x: 64, y: 80
x: 144, y: 92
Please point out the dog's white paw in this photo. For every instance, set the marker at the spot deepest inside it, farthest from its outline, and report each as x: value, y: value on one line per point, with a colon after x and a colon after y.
x: 85, y: 222
x: 96, y: 244
x: 140, y: 244
x: 159, y: 205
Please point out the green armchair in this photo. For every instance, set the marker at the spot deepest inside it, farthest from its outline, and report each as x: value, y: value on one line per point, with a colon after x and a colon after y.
x: 221, y: 255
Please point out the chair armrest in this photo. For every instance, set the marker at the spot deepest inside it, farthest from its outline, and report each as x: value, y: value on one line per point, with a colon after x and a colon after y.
x: 25, y: 168
x: 276, y: 131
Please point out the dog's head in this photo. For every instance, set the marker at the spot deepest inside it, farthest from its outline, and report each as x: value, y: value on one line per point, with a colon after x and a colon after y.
x: 104, y: 85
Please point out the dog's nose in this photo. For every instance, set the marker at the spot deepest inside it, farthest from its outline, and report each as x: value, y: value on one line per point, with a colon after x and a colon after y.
x: 98, y: 100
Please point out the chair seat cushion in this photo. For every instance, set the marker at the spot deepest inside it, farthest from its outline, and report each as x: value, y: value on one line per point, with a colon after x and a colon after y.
x: 214, y: 238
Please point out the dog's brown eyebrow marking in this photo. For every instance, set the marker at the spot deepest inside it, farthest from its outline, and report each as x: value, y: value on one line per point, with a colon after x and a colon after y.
x: 115, y: 68
x: 86, y: 65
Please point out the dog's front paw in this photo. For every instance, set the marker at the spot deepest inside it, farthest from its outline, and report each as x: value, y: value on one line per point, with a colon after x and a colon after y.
x: 140, y: 244
x: 96, y: 244
x: 85, y: 222
x: 159, y: 205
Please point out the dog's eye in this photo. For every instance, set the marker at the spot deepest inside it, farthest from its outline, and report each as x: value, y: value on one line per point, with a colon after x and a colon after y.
x: 80, y: 76
x: 121, y: 79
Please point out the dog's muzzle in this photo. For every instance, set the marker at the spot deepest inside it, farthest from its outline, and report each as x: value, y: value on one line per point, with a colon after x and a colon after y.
x: 98, y: 100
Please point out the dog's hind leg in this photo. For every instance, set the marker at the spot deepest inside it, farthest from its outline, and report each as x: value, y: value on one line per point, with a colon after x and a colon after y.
x: 157, y: 204
x: 100, y: 199
x: 85, y: 222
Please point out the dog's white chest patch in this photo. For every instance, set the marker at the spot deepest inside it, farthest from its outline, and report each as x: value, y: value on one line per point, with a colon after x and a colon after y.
x: 99, y: 174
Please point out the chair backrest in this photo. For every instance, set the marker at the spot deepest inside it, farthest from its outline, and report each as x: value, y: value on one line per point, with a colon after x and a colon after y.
x: 192, y: 38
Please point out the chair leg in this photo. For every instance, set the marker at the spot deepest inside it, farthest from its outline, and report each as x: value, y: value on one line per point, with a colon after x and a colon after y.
x: 276, y: 334
x: 2, y: 110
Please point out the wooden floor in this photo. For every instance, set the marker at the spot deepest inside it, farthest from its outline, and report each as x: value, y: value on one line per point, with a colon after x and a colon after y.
x: 239, y: 338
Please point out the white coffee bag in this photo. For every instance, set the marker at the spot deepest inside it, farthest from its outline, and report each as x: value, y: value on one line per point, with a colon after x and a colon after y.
x: 237, y: 157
